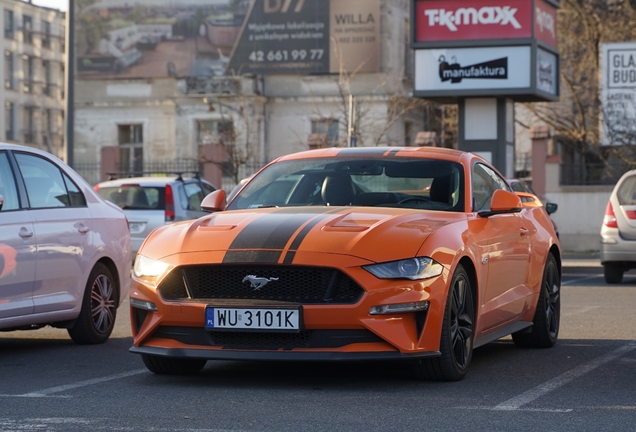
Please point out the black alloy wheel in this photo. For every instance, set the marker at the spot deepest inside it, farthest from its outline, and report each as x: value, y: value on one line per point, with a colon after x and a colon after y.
x: 545, y: 329
x: 456, y: 344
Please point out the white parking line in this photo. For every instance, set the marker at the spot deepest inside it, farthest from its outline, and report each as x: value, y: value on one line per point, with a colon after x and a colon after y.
x: 48, y: 392
x: 570, y: 282
x: 517, y: 402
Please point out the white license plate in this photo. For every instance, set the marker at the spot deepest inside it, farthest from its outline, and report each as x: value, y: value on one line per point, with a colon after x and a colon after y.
x: 222, y: 318
x: 137, y: 227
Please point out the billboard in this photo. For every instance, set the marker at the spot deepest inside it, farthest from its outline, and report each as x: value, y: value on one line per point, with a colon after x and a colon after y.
x: 618, y: 93
x: 453, y: 20
x: 131, y: 39
x: 485, y: 68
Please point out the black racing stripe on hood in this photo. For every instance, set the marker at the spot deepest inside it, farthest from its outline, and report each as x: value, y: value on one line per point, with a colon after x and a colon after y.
x: 252, y: 256
x: 270, y: 231
x: 301, y: 236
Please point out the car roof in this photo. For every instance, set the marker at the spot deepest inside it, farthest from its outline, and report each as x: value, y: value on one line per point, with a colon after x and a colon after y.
x: 148, y: 181
x: 346, y: 152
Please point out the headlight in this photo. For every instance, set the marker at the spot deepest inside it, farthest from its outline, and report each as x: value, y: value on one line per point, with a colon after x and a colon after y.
x: 149, y: 268
x: 412, y: 268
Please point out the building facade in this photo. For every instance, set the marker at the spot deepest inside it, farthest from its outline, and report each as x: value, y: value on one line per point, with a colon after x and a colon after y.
x: 178, y: 122
x: 33, y: 93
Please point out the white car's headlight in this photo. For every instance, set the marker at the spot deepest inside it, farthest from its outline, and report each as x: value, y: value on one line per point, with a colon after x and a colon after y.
x: 149, y: 268
x: 412, y: 268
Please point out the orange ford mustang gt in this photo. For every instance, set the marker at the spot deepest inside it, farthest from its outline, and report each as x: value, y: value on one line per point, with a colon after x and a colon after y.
x: 351, y: 254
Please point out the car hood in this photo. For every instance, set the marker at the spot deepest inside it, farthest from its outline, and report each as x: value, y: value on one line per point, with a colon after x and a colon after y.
x: 263, y: 235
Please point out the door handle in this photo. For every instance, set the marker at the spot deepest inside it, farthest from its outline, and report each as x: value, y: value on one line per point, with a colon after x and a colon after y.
x: 524, y: 231
x: 83, y: 229
x: 25, y: 233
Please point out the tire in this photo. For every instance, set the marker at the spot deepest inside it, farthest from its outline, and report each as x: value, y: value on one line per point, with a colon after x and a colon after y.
x: 613, y: 273
x: 547, y: 317
x: 456, y: 342
x: 172, y: 366
x: 99, y: 308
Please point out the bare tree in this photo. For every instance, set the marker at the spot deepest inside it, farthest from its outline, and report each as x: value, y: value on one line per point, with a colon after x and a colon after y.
x: 583, y: 26
x: 239, y: 147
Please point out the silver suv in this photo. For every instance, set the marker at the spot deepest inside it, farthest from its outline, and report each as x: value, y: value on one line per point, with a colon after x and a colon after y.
x: 618, y: 232
x: 150, y: 202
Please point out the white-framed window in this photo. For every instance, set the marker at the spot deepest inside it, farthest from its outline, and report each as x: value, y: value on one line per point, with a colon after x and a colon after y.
x: 329, y: 127
x: 214, y: 131
x: 131, y: 147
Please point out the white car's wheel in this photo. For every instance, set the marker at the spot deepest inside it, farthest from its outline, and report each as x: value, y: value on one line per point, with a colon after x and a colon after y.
x: 99, y: 307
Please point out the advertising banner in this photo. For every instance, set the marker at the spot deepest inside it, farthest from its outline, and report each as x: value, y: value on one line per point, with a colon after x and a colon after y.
x: 456, y: 69
x: 454, y: 20
x: 618, y: 93
x: 547, y: 78
x: 545, y: 23
x: 194, y: 38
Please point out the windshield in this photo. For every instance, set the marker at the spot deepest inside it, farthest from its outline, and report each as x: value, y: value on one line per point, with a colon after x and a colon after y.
x: 408, y: 183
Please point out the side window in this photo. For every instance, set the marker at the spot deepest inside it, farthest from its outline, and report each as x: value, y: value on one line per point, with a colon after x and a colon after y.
x: 44, y: 183
x: 485, y: 183
x: 194, y: 195
x: 8, y: 189
x: 76, y: 197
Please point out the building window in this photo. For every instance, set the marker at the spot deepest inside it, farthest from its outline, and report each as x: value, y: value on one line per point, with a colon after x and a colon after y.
x: 9, y: 82
x: 27, y: 29
x: 46, y: 34
x: 9, y: 120
x: 9, y: 27
x: 131, y: 148
x: 29, y: 73
x: 62, y: 39
x: 214, y: 132
x: 328, y: 127
x: 29, y: 124
x: 63, y: 84
x: 48, y: 85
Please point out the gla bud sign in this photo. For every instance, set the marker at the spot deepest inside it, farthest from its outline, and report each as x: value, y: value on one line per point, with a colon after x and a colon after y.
x: 618, y: 93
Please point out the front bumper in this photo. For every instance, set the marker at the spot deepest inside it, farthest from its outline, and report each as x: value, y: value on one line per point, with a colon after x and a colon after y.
x: 278, y: 355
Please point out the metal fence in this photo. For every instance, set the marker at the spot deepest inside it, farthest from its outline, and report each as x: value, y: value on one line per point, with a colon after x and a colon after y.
x: 589, y: 174
x: 91, y: 171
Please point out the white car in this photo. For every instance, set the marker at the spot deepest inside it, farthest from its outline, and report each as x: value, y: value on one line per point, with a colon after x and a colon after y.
x: 65, y: 252
x: 151, y: 202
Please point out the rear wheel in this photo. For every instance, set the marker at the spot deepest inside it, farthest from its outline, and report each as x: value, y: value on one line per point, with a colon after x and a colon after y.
x: 613, y: 273
x: 172, y: 366
x: 545, y: 329
x: 456, y: 343
x: 96, y: 320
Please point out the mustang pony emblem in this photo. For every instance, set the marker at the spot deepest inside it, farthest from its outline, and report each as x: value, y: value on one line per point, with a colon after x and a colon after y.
x: 258, y: 282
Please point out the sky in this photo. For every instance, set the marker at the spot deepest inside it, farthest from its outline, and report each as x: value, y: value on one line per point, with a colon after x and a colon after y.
x: 56, y: 4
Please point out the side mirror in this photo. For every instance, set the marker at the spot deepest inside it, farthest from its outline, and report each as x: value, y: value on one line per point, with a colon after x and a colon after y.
x: 214, y: 201
x: 1, y: 201
x: 502, y: 202
x: 551, y: 208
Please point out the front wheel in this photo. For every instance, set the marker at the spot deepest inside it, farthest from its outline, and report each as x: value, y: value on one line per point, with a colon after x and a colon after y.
x: 456, y: 343
x: 545, y: 328
x: 171, y: 365
x: 96, y: 320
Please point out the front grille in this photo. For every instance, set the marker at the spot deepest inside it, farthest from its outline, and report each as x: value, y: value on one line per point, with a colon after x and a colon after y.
x: 319, y: 339
x: 305, y: 285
